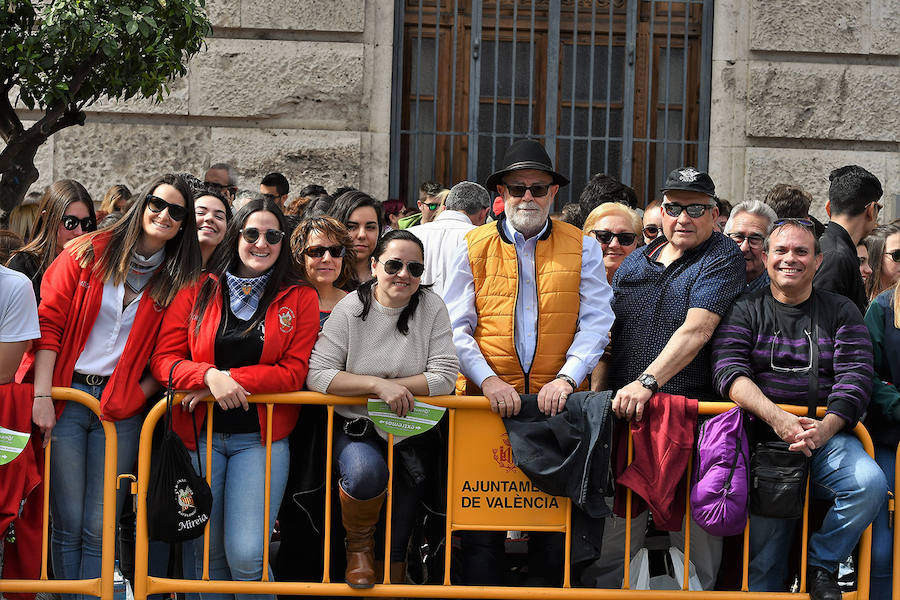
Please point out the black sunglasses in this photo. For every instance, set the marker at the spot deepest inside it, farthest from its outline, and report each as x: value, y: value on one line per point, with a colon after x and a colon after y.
x: 319, y: 251
x: 538, y: 190
x: 157, y: 205
x: 604, y: 236
x: 894, y: 254
x: 393, y: 266
x: 694, y: 211
x: 651, y: 231
x: 70, y: 222
x: 251, y: 234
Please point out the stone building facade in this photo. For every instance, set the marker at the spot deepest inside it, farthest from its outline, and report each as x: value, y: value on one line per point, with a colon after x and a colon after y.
x: 304, y: 87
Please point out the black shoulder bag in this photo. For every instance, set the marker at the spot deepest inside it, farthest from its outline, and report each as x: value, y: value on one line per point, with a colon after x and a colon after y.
x: 778, y: 476
x: 179, y: 501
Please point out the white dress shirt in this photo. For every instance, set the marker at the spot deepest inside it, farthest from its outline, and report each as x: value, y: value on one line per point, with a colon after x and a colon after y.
x: 595, y: 315
x: 106, y: 342
x: 441, y: 238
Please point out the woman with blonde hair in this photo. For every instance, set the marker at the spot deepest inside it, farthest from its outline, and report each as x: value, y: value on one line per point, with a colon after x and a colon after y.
x: 22, y: 219
x: 618, y: 229
x: 116, y: 200
x: 65, y: 212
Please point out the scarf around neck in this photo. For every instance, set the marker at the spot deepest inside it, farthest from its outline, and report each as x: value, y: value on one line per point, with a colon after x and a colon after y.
x: 244, y: 294
x: 142, y: 269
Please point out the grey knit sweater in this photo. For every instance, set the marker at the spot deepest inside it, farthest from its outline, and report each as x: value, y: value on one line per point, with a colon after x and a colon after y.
x: 376, y: 347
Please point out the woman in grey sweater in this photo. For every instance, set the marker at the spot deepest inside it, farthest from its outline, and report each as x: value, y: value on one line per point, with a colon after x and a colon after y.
x: 391, y: 340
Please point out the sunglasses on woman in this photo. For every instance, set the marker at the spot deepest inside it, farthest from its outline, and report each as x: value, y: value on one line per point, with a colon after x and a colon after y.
x: 393, y: 266
x: 319, y: 251
x: 251, y: 234
x: 603, y: 236
x: 894, y: 254
x: 70, y: 222
x: 157, y: 205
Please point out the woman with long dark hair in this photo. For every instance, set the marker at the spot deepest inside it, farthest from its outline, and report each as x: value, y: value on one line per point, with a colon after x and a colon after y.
x: 363, y: 217
x: 102, y: 304
x: 213, y: 212
x: 248, y: 328
x: 391, y: 339
x: 65, y: 212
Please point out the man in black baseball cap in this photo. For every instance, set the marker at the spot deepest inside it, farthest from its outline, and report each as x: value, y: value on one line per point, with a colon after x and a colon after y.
x: 691, y: 276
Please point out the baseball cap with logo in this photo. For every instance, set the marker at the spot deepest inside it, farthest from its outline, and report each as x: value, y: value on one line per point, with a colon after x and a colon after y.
x: 689, y: 179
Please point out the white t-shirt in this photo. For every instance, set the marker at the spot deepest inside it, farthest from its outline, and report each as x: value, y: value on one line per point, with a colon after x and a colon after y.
x: 18, y: 308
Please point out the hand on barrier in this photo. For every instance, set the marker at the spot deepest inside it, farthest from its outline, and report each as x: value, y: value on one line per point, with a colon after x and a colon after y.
x: 552, y: 397
x: 503, y: 397
x: 190, y: 399
x: 227, y: 392
x: 630, y: 400
x: 43, y: 413
x: 397, y: 396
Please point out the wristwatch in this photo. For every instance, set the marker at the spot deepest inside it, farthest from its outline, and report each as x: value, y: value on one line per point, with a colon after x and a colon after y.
x: 568, y: 380
x: 648, y: 381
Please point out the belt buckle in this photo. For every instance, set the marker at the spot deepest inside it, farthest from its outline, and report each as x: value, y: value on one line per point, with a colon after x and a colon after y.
x: 94, y: 380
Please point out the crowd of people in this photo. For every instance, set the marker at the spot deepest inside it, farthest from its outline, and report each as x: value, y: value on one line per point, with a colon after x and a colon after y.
x: 229, y: 293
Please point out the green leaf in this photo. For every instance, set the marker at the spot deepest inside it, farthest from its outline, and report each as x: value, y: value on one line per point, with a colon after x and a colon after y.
x: 131, y: 27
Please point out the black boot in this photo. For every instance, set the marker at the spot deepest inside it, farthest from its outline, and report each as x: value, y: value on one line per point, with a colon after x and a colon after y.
x: 822, y: 585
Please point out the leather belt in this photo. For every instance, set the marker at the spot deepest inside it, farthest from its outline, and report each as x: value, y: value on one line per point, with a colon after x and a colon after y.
x: 92, y: 380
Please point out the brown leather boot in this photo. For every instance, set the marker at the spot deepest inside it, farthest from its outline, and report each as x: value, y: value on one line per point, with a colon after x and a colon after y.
x: 359, y: 518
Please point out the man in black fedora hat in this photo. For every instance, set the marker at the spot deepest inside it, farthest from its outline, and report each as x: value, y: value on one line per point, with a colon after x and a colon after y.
x: 530, y: 309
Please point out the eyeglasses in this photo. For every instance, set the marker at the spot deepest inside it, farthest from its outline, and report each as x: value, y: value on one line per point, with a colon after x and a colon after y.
x: 894, y: 254
x: 651, y: 231
x: 778, y: 369
x: 626, y: 238
x: 251, y: 234
x: 432, y: 205
x: 70, y: 222
x: 754, y: 239
x: 538, y: 190
x: 319, y: 251
x: 157, y: 205
x: 393, y: 266
x: 795, y: 221
x: 694, y: 211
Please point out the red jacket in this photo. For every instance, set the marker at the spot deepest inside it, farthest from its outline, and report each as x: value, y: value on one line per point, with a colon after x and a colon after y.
x: 663, y: 443
x: 70, y: 302
x: 21, y: 482
x: 291, y: 328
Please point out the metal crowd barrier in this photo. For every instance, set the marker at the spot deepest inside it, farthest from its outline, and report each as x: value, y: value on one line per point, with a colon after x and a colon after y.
x: 500, y: 499
x: 102, y: 586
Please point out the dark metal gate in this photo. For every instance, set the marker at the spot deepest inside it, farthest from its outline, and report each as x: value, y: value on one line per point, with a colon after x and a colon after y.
x: 609, y: 86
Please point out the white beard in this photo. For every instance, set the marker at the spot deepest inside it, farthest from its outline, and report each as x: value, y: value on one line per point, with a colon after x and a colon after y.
x: 528, y: 222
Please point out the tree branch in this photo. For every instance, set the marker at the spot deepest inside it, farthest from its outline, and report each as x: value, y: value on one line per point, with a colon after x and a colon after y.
x: 10, y: 124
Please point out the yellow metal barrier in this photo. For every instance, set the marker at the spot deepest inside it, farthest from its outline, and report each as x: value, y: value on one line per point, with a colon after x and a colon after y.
x: 479, y: 451
x: 102, y: 586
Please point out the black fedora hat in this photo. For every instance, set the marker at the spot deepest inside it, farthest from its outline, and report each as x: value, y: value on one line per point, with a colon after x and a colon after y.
x: 524, y: 154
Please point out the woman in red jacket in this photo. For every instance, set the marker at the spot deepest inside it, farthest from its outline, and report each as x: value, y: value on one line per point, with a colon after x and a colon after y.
x: 102, y: 302
x: 247, y: 329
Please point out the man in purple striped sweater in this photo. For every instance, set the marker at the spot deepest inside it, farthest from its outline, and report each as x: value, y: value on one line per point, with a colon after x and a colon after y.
x: 762, y: 356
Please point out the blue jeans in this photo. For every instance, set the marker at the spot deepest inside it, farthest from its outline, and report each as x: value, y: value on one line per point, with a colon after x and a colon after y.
x: 238, y: 491
x: 840, y: 471
x: 882, y: 533
x: 363, y: 474
x: 76, y: 485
